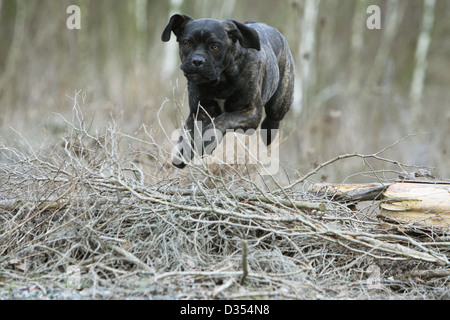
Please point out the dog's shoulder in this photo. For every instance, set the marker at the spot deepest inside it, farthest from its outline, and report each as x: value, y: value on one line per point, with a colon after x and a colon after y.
x: 265, y: 30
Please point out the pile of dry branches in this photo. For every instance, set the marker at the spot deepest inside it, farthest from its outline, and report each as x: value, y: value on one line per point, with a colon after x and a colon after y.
x: 88, y: 205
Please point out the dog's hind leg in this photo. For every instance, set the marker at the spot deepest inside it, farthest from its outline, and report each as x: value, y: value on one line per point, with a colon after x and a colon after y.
x: 276, y: 109
x: 281, y: 101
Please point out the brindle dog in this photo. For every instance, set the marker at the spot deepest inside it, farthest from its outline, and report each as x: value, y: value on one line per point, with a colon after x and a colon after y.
x: 233, y: 70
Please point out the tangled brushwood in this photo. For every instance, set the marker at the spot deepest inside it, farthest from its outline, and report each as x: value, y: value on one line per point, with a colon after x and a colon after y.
x: 87, y: 216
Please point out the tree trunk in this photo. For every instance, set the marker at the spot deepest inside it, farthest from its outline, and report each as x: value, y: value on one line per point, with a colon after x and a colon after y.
x: 423, y: 44
x: 306, y: 52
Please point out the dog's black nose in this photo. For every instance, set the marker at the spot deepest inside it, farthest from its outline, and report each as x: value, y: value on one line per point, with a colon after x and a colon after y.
x: 198, y: 61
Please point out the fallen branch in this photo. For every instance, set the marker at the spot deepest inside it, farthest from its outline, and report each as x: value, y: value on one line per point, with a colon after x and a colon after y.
x: 296, y: 204
x: 222, y: 288
x: 244, y: 262
x: 349, y: 192
x: 265, y: 197
x: 427, y: 274
x: 440, y: 260
x: 131, y: 258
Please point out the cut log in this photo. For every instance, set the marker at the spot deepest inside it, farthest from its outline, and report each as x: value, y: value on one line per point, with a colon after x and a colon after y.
x: 425, y: 204
x: 417, y: 203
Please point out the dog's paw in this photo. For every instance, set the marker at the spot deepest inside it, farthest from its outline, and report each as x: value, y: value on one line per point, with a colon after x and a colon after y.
x: 177, y: 163
x: 269, y: 130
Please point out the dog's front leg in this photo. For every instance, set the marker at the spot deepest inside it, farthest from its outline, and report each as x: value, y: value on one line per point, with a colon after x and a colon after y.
x: 240, y: 120
x: 191, y: 138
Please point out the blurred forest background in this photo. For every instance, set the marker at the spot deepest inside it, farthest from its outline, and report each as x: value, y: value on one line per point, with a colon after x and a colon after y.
x: 358, y: 90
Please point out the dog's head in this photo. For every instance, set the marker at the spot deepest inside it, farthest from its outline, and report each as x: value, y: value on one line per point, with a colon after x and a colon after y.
x: 208, y: 46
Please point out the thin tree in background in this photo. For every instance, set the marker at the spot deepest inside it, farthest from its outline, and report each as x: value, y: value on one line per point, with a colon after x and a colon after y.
x: 306, y: 51
x: 215, y: 9
x: 18, y: 37
x: 227, y: 9
x: 171, y: 49
x: 140, y: 12
x: 423, y: 45
x: 390, y: 29
x: 15, y: 49
x: 357, y: 45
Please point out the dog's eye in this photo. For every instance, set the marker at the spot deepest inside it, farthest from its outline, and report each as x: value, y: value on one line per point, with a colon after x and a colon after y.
x: 215, y: 47
x: 187, y: 44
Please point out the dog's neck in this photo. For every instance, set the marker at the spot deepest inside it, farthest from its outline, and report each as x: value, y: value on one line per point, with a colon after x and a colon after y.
x: 233, y: 67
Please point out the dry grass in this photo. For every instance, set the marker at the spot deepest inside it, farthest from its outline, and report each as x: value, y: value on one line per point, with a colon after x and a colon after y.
x: 89, y: 205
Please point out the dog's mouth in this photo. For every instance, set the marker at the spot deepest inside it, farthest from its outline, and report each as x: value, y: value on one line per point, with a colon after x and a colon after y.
x: 199, y: 77
x: 196, y: 78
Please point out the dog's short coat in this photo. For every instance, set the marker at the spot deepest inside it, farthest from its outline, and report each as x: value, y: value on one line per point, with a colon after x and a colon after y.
x: 233, y: 71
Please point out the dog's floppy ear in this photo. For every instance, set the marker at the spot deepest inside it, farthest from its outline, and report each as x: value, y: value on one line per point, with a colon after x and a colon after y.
x: 176, y: 24
x: 247, y: 36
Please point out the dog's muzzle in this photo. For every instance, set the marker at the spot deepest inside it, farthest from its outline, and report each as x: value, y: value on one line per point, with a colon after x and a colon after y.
x: 198, y: 71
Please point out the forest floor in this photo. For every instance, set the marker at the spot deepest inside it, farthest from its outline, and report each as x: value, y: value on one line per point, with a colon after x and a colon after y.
x: 86, y: 219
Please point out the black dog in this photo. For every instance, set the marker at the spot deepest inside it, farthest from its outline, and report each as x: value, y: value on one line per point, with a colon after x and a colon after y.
x: 233, y: 71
